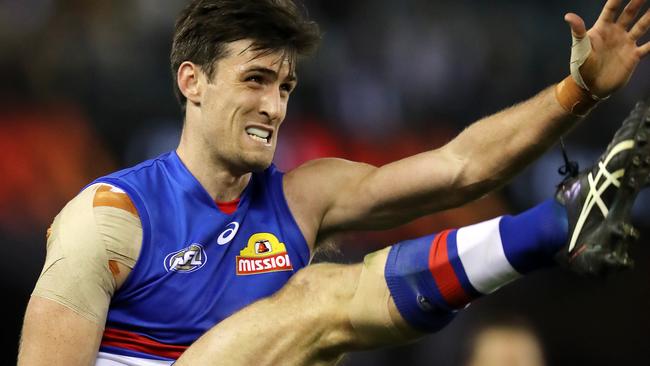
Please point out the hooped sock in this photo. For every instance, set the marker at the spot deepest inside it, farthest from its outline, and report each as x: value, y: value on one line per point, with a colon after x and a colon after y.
x: 432, y: 277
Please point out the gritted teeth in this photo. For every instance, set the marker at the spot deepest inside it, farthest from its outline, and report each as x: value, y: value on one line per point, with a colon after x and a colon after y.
x: 257, y: 138
x: 254, y: 131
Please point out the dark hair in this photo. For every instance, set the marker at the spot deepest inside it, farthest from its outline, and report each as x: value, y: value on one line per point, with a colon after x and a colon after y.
x: 205, y: 26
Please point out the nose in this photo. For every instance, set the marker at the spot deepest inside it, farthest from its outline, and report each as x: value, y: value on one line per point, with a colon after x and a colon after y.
x: 272, y: 105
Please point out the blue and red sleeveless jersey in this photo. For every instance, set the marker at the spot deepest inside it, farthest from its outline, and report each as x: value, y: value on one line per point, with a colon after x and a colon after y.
x: 197, y: 265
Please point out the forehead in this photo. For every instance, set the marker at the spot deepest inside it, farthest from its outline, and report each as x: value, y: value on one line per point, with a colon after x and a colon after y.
x: 241, y: 56
x: 506, y: 337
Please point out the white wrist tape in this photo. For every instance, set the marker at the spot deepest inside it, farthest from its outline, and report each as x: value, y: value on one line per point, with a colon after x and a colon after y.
x: 580, y: 50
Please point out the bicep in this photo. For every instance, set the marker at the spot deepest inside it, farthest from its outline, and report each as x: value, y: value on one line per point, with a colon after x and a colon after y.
x: 373, y: 198
x: 54, y: 334
x: 314, y: 190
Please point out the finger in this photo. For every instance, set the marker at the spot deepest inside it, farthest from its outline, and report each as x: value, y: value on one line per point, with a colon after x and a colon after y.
x: 641, y: 27
x: 578, y: 28
x: 630, y: 12
x: 609, y: 11
x: 644, y: 50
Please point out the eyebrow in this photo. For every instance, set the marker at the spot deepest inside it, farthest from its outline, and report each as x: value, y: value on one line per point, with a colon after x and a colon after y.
x: 272, y: 73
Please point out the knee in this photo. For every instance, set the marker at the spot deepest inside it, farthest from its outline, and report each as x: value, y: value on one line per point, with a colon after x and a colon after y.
x: 321, y: 294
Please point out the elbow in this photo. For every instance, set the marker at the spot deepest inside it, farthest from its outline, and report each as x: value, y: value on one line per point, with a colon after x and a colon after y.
x: 471, y: 179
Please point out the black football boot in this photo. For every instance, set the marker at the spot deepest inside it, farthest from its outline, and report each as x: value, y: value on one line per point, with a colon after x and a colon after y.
x: 599, y: 201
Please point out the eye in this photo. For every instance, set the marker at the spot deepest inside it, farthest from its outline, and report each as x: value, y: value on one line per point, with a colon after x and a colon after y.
x: 255, y: 79
x: 286, y: 87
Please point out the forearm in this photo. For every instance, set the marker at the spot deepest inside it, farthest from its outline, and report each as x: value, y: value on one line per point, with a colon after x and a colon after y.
x: 495, y: 148
x: 483, y: 157
x: 602, y: 61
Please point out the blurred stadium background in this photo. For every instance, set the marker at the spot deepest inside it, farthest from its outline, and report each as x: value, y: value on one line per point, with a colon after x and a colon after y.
x: 86, y: 89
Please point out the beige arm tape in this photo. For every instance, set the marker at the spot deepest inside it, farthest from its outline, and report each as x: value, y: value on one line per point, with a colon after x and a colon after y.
x: 119, y: 225
x: 83, y: 239
x: 372, y: 312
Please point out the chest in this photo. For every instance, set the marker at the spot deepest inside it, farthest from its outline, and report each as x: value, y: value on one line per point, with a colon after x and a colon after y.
x: 203, y: 264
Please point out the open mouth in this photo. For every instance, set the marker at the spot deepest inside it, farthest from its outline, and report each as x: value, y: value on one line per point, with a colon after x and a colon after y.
x: 259, y: 134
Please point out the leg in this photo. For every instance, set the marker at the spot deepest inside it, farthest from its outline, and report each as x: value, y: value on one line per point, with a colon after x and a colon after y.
x: 305, y: 323
x: 326, y: 310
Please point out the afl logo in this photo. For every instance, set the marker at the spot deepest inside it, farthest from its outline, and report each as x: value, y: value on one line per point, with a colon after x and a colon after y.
x: 228, y: 234
x: 186, y: 260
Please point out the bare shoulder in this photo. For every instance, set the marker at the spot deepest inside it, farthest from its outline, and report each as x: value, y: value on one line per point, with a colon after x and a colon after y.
x: 314, y: 187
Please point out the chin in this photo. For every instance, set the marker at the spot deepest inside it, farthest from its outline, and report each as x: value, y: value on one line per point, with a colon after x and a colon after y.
x: 258, y: 163
x: 256, y: 168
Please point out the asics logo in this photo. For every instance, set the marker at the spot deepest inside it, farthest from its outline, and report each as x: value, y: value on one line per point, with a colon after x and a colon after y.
x: 228, y: 234
x: 598, y: 187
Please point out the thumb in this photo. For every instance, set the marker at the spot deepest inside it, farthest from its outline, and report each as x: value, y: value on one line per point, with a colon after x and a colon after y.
x: 578, y: 28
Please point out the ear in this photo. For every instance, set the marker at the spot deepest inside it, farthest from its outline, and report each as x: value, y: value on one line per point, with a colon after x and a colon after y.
x: 188, y: 78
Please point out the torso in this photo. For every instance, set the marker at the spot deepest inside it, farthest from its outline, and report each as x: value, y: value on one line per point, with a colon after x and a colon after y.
x: 198, y: 265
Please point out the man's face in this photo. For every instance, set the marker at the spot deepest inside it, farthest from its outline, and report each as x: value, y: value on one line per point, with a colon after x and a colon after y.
x: 243, y: 106
x: 503, y: 346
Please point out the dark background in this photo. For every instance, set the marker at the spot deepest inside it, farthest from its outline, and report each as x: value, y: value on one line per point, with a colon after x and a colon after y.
x: 86, y: 89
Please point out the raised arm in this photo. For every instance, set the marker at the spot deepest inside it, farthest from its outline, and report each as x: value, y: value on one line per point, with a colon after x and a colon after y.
x: 484, y: 156
x: 91, y: 247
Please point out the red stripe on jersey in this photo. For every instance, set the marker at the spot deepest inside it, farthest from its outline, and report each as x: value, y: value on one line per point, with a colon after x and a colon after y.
x: 139, y: 343
x: 443, y: 273
x: 228, y: 207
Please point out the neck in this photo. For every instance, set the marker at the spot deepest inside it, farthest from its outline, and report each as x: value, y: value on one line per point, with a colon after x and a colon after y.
x: 221, y: 183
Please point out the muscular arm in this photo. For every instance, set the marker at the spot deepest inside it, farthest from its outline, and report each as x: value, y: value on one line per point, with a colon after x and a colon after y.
x: 332, y: 195
x: 480, y: 159
x: 91, y: 247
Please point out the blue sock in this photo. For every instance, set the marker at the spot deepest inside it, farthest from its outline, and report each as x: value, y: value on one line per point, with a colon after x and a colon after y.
x: 531, y: 239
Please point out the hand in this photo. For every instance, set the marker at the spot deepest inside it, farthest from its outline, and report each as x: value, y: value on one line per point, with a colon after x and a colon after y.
x: 615, y: 53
